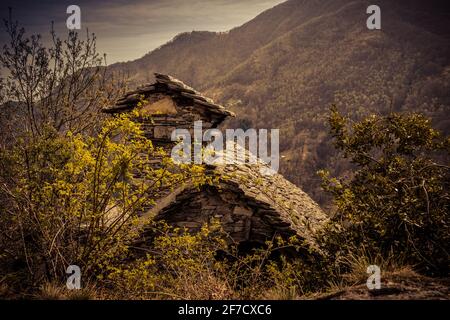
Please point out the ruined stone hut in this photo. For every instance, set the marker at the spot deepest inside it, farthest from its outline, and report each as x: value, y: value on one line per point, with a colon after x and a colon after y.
x: 251, y: 207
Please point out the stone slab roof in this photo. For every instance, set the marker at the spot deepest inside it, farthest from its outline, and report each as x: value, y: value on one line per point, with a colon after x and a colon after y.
x: 172, y: 87
x: 286, y: 208
x: 282, y: 205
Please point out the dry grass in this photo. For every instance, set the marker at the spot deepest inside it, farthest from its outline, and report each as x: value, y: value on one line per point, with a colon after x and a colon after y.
x: 55, y: 291
x: 358, y: 262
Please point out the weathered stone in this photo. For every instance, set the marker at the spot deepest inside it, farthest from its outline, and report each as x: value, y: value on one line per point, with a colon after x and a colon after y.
x: 242, y: 211
x: 163, y: 132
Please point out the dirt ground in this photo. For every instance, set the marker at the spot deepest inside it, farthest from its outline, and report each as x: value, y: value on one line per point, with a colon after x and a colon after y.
x: 405, y: 285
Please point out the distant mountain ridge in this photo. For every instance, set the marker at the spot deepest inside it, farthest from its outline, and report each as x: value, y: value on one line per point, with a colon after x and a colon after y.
x: 284, y: 68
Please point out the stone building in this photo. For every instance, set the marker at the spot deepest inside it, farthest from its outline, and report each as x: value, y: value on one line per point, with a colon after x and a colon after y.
x: 251, y: 207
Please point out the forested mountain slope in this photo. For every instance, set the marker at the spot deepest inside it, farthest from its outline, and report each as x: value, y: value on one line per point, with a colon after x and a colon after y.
x: 285, y: 68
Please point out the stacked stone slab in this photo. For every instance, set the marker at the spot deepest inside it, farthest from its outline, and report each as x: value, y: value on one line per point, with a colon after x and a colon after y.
x: 251, y: 206
x: 171, y: 104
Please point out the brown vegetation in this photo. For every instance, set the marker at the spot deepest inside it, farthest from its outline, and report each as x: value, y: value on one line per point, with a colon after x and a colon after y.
x: 69, y: 193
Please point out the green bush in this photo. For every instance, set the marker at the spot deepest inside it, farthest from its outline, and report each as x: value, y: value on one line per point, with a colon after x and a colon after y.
x: 397, y: 200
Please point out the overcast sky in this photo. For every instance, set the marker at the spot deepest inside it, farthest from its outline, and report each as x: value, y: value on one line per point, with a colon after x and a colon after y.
x: 128, y: 29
